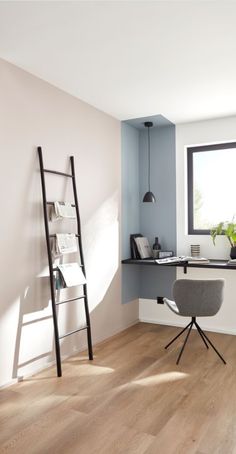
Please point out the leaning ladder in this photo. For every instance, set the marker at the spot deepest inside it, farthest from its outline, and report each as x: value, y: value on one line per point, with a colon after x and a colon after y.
x: 53, y: 269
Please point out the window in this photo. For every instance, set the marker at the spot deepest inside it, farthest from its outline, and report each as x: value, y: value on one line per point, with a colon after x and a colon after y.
x: 211, y: 187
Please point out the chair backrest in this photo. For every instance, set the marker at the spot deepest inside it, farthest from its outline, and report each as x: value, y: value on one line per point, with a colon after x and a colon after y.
x: 198, y: 298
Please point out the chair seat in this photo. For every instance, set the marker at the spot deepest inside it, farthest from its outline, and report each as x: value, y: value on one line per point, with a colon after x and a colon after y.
x: 172, y: 305
x: 196, y: 298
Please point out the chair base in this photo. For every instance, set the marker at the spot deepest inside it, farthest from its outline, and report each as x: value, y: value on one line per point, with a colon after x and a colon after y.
x: 202, y: 335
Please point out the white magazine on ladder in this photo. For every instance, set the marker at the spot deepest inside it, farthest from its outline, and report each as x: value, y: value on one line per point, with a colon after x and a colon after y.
x: 61, y: 210
x: 66, y: 243
x: 72, y: 274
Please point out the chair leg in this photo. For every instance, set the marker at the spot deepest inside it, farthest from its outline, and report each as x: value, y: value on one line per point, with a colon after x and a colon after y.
x: 200, y: 332
x: 176, y: 337
x: 185, y: 342
x: 211, y: 344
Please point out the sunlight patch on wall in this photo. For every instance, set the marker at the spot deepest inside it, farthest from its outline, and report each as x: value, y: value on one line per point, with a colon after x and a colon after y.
x: 101, y: 245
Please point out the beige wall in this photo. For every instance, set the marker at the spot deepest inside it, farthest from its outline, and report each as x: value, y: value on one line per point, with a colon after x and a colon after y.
x: 33, y: 113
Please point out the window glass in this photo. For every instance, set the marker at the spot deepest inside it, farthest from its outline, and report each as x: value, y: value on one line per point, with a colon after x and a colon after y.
x: 211, y: 186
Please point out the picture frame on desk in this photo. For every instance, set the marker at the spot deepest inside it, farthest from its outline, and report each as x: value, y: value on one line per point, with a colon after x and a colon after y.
x: 144, y: 248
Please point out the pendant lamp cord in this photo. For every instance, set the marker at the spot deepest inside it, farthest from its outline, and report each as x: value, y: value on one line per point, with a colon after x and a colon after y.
x: 149, y: 159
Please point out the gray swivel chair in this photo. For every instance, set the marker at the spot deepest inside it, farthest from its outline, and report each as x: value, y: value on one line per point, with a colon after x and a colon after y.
x: 196, y: 298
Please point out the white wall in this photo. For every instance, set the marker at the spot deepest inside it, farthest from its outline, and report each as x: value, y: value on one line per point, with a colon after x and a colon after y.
x: 204, y: 132
x: 33, y: 113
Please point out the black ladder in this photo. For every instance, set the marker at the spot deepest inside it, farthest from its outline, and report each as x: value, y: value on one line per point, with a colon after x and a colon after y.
x: 52, y: 269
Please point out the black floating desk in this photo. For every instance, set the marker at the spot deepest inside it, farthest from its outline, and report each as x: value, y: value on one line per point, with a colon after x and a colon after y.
x: 217, y: 264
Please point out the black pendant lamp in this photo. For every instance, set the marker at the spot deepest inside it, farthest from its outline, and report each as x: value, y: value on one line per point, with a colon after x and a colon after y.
x: 149, y: 196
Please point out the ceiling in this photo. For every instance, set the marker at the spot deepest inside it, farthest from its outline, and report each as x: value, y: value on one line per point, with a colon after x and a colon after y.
x: 129, y: 58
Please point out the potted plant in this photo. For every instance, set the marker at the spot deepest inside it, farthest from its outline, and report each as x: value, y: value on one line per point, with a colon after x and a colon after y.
x: 229, y: 230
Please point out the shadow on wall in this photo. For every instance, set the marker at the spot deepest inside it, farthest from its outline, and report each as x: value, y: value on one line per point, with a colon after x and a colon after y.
x: 35, y: 324
x: 24, y: 254
x: 38, y: 293
x: 25, y: 313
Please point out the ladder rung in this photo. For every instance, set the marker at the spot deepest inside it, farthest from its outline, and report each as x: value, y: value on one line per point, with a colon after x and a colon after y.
x: 53, y: 235
x: 72, y: 332
x: 52, y: 203
x: 58, y: 173
x: 71, y: 299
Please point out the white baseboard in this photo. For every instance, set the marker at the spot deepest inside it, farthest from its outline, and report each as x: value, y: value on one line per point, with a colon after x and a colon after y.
x: 101, y: 339
x: 82, y: 348
x: 183, y: 324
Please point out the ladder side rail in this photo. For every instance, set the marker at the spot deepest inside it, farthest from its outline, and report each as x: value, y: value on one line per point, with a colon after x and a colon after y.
x: 89, y: 336
x: 50, y: 263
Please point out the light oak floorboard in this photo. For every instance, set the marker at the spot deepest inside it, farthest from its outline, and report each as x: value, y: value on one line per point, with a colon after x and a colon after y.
x: 132, y: 399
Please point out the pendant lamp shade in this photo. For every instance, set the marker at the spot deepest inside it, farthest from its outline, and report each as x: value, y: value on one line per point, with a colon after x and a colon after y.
x: 149, y: 196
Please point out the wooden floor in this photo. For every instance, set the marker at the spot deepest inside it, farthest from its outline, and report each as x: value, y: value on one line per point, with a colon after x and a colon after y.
x: 131, y: 399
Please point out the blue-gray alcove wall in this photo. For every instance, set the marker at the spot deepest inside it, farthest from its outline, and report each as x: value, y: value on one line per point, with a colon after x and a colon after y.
x: 150, y: 219
x: 130, y: 207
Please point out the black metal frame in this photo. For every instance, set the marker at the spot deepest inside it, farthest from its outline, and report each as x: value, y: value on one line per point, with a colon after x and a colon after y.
x: 190, y: 152
x: 202, y: 335
x: 52, y: 270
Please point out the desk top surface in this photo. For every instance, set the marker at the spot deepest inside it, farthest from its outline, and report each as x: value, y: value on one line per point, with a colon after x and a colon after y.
x: 220, y: 264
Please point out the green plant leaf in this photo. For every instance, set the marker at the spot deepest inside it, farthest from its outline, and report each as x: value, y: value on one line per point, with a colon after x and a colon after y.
x: 225, y: 228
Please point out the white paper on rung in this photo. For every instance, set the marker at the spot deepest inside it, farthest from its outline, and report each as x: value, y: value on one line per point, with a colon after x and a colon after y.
x: 63, y: 210
x: 72, y: 274
x: 66, y: 243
